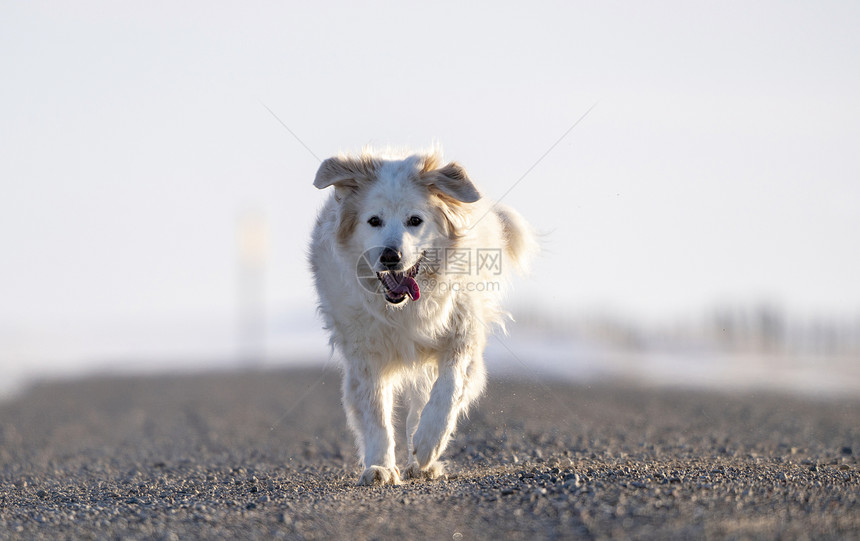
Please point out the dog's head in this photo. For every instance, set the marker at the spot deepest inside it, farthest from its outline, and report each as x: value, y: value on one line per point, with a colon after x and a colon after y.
x: 392, y: 211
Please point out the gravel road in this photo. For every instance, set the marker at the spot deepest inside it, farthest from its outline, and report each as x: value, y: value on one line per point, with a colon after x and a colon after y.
x: 267, y: 455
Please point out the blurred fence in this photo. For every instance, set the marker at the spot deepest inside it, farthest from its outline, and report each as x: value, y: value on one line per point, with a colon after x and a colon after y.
x: 747, y: 330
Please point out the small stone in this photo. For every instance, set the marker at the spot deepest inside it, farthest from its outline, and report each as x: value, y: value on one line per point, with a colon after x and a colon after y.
x: 573, y: 481
x: 847, y: 450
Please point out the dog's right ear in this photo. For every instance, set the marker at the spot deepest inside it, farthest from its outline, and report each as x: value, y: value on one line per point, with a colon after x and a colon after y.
x: 453, y: 181
x: 340, y: 172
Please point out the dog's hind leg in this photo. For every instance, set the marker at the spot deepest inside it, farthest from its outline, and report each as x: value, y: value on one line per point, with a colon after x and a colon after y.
x: 476, y: 381
x: 369, y: 400
x: 416, y: 397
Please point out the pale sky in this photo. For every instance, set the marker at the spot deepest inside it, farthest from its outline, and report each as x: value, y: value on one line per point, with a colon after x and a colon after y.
x: 720, y: 164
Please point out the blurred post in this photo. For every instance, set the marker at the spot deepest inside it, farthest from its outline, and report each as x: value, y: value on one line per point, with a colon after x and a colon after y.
x: 253, y: 248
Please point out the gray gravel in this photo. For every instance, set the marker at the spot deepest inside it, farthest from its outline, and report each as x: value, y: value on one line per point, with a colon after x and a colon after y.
x: 267, y: 454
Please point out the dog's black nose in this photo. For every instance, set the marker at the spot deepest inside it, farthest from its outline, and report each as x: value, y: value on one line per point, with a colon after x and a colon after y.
x: 390, y: 258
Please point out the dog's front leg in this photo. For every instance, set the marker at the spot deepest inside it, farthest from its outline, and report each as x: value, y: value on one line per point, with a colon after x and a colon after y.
x: 369, y: 401
x: 439, y: 417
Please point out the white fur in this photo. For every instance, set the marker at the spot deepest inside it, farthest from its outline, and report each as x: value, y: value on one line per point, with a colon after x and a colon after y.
x: 429, y: 350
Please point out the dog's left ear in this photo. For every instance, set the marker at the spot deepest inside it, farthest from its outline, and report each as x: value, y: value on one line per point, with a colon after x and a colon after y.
x: 453, y: 181
x: 341, y: 172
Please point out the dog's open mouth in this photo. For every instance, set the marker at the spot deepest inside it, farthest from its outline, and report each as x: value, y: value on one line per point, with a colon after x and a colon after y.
x: 399, y: 285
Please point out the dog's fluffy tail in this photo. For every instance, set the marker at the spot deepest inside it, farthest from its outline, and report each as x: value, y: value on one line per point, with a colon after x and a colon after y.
x: 520, y: 243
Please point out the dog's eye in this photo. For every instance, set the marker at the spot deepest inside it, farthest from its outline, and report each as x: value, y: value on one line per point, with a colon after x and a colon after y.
x: 375, y: 221
x: 414, y: 221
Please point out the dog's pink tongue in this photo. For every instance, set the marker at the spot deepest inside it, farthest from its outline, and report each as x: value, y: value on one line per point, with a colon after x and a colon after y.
x: 407, y: 286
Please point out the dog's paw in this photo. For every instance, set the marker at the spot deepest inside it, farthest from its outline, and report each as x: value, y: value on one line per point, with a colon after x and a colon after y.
x: 427, y: 448
x: 379, y: 475
x: 434, y: 470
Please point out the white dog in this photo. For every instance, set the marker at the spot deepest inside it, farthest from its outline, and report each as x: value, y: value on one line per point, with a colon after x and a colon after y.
x: 408, y: 262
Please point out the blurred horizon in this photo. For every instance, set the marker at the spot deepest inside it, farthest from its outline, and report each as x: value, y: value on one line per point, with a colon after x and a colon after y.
x: 154, y: 209
x: 756, y: 347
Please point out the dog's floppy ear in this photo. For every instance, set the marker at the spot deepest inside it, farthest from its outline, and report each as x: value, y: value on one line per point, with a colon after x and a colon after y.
x: 340, y: 172
x: 453, y: 181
